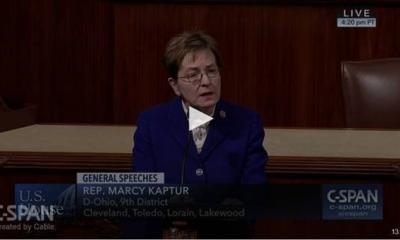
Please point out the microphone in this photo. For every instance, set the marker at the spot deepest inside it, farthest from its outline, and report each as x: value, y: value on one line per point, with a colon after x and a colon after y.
x: 179, y: 228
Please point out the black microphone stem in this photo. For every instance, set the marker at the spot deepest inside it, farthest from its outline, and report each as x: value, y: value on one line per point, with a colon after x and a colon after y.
x: 186, y: 153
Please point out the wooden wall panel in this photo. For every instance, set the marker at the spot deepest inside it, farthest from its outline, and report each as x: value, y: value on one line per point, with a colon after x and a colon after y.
x: 98, y: 61
x: 281, y: 60
x: 59, y: 54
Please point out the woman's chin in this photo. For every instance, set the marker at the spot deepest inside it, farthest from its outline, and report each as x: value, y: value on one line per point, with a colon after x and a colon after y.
x: 207, y: 108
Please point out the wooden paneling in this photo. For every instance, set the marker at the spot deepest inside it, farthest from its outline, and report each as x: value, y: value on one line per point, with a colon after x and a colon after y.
x: 58, y: 54
x: 99, y: 61
x: 283, y: 61
x: 276, y: 166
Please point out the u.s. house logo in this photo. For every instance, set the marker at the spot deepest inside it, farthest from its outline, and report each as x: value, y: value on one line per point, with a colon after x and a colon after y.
x: 343, y: 201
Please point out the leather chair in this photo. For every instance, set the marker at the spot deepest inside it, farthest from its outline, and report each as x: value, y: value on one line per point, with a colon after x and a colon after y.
x: 15, y: 113
x: 371, y: 91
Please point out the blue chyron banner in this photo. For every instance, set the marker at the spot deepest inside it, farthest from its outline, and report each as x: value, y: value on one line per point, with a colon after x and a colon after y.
x: 352, y: 202
x: 138, y: 200
x: 190, y: 202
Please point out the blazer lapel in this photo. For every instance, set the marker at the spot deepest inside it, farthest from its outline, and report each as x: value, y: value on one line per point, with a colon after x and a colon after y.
x: 219, y: 129
x: 177, y: 123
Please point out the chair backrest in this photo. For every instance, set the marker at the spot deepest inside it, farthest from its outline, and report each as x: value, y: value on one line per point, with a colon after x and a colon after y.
x: 3, y: 105
x: 371, y: 91
x: 14, y: 114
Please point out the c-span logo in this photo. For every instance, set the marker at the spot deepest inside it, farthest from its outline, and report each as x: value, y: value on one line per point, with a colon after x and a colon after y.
x: 345, y: 201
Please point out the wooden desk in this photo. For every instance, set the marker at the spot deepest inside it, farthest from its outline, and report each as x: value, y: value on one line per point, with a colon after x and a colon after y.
x: 54, y: 153
x: 291, y: 151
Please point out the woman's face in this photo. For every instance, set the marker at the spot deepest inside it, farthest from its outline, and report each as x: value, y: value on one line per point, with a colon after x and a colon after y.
x: 198, y: 81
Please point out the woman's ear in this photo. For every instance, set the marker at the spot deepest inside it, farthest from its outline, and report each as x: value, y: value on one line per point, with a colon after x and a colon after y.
x: 174, y: 85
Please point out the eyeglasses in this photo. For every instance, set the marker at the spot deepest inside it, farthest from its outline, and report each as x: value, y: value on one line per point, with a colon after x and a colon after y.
x: 212, y: 74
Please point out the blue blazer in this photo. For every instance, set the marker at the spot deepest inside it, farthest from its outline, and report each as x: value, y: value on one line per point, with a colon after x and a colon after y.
x: 233, y: 152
